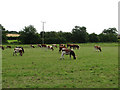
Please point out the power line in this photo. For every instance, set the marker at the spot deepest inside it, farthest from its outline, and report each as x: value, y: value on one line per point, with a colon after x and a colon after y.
x: 43, y: 32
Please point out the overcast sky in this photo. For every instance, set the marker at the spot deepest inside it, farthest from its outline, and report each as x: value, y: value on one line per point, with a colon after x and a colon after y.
x: 95, y: 15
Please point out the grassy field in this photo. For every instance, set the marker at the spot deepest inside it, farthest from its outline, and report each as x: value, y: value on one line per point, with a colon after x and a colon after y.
x: 9, y: 41
x: 41, y: 68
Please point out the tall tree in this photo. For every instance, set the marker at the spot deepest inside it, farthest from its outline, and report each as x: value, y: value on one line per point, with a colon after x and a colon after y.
x: 53, y: 37
x: 29, y: 35
x: 109, y: 35
x: 93, y: 37
x: 79, y: 34
x: 3, y: 32
x: 67, y: 36
x: 110, y: 31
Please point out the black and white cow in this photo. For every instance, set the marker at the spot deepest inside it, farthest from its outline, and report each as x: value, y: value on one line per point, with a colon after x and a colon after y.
x: 18, y: 50
x: 66, y: 51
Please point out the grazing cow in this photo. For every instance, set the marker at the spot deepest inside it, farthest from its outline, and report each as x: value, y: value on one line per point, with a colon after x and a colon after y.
x: 60, y: 48
x: 8, y: 47
x: 18, y: 50
x: 73, y: 46
x: 98, y: 48
x: 76, y: 46
x: 39, y: 45
x: 2, y: 47
x: 67, y: 52
x: 62, y: 45
x: 50, y: 47
x: 43, y: 45
x: 21, y: 48
x: 54, y: 45
x: 32, y: 46
x: 47, y: 46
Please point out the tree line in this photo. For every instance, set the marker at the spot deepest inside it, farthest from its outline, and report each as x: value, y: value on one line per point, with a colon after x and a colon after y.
x: 79, y: 34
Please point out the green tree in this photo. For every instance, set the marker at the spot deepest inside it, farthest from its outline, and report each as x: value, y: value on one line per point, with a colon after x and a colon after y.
x: 29, y: 35
x: 12, y: 32
x: 61, y: 37
x: 110, y: 31
x: 68, y: 36
x: 79, y: 34
x: 109, y: 35
x: 53, y: 37
x: 93, y: 37
x: 102, y: 37
x: 3, y: 32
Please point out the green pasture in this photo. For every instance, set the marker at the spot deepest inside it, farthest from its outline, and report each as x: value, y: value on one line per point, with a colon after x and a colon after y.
x: 9, y: 41
x: 42, y: 68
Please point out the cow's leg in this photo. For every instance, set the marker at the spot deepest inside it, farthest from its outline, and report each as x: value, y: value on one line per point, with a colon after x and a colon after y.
x: 20, y: 53
x: 16, y: 53
x: 46, y: 48
x: 70, y: 55
x: 62, y: 55
x: 13, y: 53
x: 60, y: 49
x: 97, y: 50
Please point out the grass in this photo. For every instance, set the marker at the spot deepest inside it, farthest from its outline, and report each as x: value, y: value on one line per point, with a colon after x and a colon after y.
x: 41, y: 68
x: 9, y: 41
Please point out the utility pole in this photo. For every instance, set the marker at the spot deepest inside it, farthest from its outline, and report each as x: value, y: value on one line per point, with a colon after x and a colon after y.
x: 43, y: 32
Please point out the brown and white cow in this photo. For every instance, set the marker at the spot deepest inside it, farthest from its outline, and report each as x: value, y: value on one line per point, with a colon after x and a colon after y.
x: 66, y: 51
x: 73, y: 46
x: 54, y: 45
x: 32, y: 46
x: 18, y: 50
x: 98, y: 48
x: 47, y: 46
x: 60, y: 48
x: 43, y: 45
x: 39, y: 45
x: 50, y: 47
x: 2, y: 47
x: 62, y: 45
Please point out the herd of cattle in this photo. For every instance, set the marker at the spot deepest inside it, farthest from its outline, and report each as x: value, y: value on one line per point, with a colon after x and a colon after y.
x: 69, y: 50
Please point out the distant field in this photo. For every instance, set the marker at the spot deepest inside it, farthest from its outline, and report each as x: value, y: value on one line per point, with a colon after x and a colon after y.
x: 41, y: 68
x: 9, y: 41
